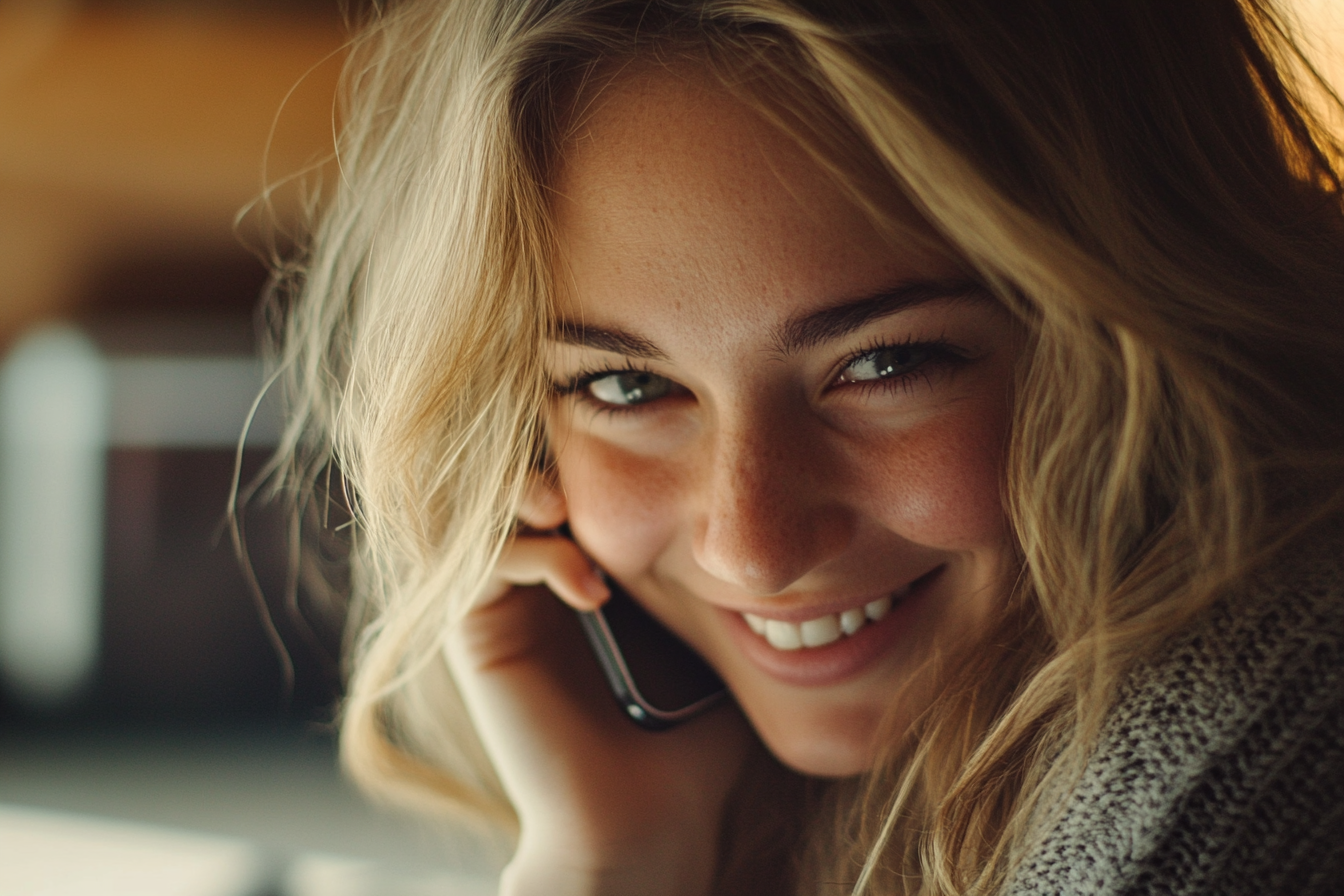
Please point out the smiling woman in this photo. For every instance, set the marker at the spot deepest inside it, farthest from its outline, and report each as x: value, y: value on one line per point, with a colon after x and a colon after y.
x: 959, y: 379
x: 748, y: 442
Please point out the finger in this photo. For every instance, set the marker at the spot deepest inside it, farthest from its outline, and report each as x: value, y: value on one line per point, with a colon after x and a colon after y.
x: 544, y: 505
x: 558, y: 564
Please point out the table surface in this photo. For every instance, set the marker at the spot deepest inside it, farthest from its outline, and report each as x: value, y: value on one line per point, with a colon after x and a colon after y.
x: 270, y: 796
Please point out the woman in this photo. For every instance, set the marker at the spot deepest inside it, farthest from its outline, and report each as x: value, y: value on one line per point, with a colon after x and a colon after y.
x: 961, y: 379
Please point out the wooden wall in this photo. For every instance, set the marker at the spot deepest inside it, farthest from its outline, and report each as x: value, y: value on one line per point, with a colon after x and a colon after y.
x: 141, y: 130
x: 136, y: 130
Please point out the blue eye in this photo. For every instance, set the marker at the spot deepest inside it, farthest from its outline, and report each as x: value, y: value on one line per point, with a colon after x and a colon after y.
x: 887, y: 362
x: 630, y: 387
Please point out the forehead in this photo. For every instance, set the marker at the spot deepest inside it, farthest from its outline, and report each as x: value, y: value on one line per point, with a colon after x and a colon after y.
x: 677, y: 201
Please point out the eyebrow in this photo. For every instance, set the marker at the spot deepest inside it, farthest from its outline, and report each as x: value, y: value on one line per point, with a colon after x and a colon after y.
x: 812, y: 329
x: 795, y: 334
x: 607, y: 339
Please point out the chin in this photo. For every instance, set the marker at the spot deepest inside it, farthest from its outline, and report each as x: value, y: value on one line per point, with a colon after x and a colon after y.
x: 821, y: 751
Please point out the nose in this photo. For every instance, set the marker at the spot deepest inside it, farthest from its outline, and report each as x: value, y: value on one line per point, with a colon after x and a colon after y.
x: 768, y: 514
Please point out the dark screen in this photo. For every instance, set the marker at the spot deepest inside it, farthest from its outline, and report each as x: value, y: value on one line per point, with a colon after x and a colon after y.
x: 669, y: 674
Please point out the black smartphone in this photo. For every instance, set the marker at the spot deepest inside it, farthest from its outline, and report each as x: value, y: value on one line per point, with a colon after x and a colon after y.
x: 657, y: 679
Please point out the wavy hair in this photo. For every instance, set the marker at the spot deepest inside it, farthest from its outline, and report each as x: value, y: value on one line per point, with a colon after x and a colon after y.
x: 1144, y: 184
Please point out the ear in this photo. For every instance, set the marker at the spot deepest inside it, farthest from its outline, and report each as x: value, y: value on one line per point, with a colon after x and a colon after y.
x: 544, y: 506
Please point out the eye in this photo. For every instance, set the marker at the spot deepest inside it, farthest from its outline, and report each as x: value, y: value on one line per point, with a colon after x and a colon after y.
x: 887, y: 362
x: 630, y: 387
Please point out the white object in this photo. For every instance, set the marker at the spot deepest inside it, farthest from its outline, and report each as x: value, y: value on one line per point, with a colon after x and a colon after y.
x: 314, y: 874
x: 54, y: 854
x: 62, y: 405
x: 53, y: 440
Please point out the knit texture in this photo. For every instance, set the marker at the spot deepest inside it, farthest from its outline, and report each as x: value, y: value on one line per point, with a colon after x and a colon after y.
x: 1221, y: 770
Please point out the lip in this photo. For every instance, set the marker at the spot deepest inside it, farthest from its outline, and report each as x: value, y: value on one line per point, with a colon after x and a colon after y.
x: 835, y: 662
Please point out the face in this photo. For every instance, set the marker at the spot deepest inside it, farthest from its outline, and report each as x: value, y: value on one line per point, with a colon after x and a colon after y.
x: 779, y: 430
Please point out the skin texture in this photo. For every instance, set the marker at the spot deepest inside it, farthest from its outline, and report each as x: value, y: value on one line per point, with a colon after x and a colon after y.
x: 766, y: 468
x: 763, y: 481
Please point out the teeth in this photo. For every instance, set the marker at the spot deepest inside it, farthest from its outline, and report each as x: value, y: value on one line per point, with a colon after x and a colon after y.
x: 819, y: 632
x: 850, y: 621
x: 875, y: 610
x: 824, y: 629
x: 783, y: 635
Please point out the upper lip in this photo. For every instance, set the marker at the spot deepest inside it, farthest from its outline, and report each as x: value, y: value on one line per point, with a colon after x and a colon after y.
x: 802, y: 607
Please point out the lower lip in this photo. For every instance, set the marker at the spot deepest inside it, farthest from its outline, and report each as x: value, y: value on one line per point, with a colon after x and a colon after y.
x: 841, y: 659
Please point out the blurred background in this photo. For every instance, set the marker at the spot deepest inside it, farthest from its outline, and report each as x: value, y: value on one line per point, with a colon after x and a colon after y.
x: 152, y: 737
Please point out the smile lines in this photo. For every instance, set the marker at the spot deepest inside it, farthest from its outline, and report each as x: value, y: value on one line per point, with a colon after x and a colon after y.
x: 824, y: 629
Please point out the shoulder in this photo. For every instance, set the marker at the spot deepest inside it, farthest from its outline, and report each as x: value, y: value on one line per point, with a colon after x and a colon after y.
x: 1221, y: 768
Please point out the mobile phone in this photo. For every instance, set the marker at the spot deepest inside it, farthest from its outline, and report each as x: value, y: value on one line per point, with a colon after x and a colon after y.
x: 657, y: 679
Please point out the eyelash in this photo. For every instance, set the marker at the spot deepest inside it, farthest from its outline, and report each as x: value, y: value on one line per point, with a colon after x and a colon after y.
x: 942, y: 354
x: 578, y: 384
x: 941, y: 351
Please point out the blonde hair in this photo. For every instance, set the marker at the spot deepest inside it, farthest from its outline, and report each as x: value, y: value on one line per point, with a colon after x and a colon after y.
x: 1142, y: 186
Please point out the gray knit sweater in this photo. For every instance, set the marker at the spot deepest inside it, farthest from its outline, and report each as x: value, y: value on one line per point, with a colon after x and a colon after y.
x: 1221, y: 770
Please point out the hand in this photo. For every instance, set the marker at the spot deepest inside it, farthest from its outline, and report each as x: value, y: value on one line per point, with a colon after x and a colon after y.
x: 605, y: 806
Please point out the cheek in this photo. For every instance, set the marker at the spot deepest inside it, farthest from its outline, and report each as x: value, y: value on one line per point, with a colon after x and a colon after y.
x: 940, y: 483
x: 622, y: 507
